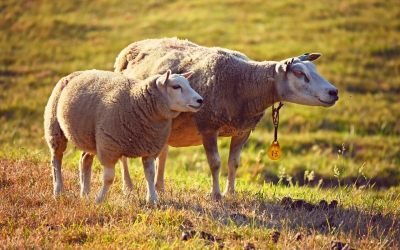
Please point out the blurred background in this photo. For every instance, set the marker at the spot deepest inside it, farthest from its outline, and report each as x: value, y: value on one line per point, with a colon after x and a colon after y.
x: 355, y: 142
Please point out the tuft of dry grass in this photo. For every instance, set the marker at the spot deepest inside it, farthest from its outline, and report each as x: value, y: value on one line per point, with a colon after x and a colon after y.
x: 31, y: 218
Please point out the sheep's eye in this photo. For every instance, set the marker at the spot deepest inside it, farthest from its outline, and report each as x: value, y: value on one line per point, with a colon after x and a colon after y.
x: 176, y: 87
x: 297, y: 73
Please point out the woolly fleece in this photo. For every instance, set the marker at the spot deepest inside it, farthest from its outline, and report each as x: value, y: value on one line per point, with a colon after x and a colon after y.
x: 108, y: 115
x: 220, y: 76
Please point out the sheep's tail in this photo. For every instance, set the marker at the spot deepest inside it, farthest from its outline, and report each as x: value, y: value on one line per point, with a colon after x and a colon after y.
x: 53, y: 134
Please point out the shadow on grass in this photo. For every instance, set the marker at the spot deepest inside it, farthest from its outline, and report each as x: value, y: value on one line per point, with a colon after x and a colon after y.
x: 301, y: 222
x: 385, y: 178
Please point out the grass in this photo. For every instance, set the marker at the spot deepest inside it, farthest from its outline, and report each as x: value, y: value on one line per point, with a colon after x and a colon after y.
x: 31, y: 218
x: 42, y: 41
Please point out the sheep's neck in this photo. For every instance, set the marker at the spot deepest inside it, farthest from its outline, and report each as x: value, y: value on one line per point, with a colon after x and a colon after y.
x: 160, y: 108
x: 263, y: 91
x: 155, y: 106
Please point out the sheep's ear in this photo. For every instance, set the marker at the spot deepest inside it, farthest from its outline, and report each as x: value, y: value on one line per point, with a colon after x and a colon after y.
x: 187, y: 74
x: 167, y: 74
x: 309, y: 57
x: 164, y: 78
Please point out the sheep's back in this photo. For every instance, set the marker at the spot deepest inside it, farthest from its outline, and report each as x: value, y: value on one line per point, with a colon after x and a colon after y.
x: 217, y: 74
x: 155, y: 56
x: 86, y: 100
x: 105, y: 112
x: 212, y: 67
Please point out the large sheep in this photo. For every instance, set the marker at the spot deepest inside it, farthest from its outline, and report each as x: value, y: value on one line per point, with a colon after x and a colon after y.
x: 236, y: 92
x: 110, y: 115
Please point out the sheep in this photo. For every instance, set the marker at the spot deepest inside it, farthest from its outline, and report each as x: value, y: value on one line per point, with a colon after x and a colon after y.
x: 236, y: 92
x: 109, y: 115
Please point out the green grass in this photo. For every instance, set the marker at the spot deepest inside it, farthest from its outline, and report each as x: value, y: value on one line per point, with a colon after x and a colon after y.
x: 42, y: 41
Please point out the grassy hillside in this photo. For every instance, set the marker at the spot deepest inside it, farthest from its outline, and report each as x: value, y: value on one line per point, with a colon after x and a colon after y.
x: 355, y: 142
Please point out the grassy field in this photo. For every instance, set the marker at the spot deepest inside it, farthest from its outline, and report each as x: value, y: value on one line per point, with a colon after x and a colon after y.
x: 255, y: 216
x: 349, y: 153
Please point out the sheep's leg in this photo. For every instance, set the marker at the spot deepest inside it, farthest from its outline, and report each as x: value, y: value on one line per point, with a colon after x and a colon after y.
x: 57, y: 177
x: 160, y: 166
x: 57, y: 144
x: 85, y: 172
x: 214, y: 162
x: 148, y: 164
x: 235, y: 149
x: 127, y: 185
x: 108, y: 179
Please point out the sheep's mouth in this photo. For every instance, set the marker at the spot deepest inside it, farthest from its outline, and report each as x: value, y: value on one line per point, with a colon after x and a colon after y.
x: 330, y: 103
x: 196, y: 107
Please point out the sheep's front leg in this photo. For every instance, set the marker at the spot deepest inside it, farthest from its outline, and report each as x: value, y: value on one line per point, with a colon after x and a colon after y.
x: 214, y: 162
x: 148, y: 164
x: 160, y: 167
x: 57, y: 177
x: 108, y: 179
x: 85, y: 172
x: 235, y: 149
x: 127, y: 185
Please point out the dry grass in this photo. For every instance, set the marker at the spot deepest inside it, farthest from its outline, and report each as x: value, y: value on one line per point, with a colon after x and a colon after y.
x: 31, y: 218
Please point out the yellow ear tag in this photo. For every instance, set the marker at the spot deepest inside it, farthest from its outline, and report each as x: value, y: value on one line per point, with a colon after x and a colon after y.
x: 274, y: 151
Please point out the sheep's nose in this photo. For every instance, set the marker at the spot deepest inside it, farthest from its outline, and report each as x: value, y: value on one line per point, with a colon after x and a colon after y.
x: 200, y: 101
x: 333, y: 92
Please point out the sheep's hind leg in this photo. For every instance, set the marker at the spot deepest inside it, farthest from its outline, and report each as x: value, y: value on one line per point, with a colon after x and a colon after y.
x: 214, y: 162
x: 57, y: 145
x: 108, y: 179
x: 235, y: 149
x: 57, y: 177
x: 160, y: 168
x: 148, y: 164
x: 85, y: 172
x: 127, y: 185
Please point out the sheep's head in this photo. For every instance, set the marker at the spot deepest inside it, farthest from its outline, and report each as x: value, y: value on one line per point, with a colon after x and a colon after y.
x: 299, y: 82
x: 176, y: 89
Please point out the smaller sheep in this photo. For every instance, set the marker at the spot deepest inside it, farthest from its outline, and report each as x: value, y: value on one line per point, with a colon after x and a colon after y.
x: 113, y: 116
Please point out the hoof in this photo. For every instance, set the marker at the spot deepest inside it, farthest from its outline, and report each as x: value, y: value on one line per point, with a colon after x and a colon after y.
x: 57, y: 192
x: 228, y: 193
x: 85, y: 193
x: 216, y: 197
x: 127, y: 191
x: 151, y: 202
x: 100, y: 199
x: 151, y: 199
x: 160, y: 188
